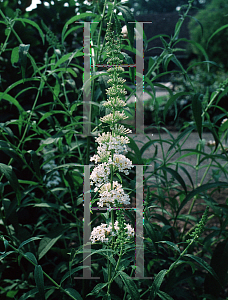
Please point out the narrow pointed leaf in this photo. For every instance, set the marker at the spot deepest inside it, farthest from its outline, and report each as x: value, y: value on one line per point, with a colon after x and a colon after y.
x: 28, y: 294
x: 197, y: 113
x: 172, y: 100
x: 176, y: 176
x: 76, y: 19
x: 39, y: 279
x: 204, y: 264
x: 23, y: 52
x: 34, y: 24
x: 11, y: 100
x: 164, y: 296
x: 31, y: 256
x: 200, y: 189
x: 15, y: 56
x: 49, y: 240
x: 156, y: 284
x: 28, y: 241
x: 130, y: 286
x: 217, y: 31
x: 12, y: 178
x: 73, y: 293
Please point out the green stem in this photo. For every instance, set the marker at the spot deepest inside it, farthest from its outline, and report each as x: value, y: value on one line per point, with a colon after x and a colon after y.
x: 116, y: 268
x: 114, y: 4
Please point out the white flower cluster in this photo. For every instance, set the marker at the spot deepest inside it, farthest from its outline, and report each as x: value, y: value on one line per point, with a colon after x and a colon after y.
x: 122, y: 163
x: 108, y: 142
x: 120, y: 129
x: 100, y: 174
x: 108, y: 195
x: 102, y: 232
x: 114, y: 102
x: 114, y: 118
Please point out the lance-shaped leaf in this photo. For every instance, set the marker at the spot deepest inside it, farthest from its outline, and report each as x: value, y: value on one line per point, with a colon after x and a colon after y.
x: 197, y: 112
x: 10, y: 175
x: 23, y: 52
x: 39, y: 279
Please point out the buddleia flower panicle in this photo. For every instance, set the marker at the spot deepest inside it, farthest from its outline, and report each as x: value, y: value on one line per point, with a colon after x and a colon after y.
x: 103, y: 232
x: 112, y: 145
x: 200, y: 227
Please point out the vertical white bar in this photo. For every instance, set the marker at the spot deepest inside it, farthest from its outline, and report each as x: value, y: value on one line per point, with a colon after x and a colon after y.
x: 86, y: 82
x: 139, y: 78
x: 86, y: 224
x: 139, y: 253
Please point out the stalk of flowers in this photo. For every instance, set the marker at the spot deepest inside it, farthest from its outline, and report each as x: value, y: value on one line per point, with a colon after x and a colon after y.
x: 110, y: 159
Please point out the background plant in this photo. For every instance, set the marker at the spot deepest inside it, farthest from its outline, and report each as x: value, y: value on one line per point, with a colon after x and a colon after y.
x: 212, y: 18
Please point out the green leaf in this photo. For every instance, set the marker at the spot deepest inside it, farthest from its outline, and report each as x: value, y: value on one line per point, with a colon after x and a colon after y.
x: 188, y: 175
x: 5, y: 254
x: 73, y: 293
x: 97, y: 288
x: 200, y: 189
x: 156, y: 284
x: 217, y: 31
x: 177, y: 28
x: 28, y: 241
x: 164, y: 296
x: 128, y: 17
x: 50, y: 113
x: 219, y: 263
x: 130, y: 286
x: 35, y: 161
x: 69, y: 273
x: 172, y: 100
x: 153, y: 235
x: 174, y: 246
x: 11, y: 294
x: 119, y: 176
x: 39, y: 279
x: 204, y: 264
x: 6, y: 244
x: 12, y: 178
x: 176, y: 176
x: 15, y: 56
x: 11, y: 100
x: 196, y: 45
x: 23, y: 52
x: 223, y: 127
x: 197, y: 112
x: 34, y: 24
x: 133, y: 146
x: 75, y: 19
x: 31, y: 257
x: 68, y: 57
x: 50, y: 239
x: 28, y: 294
x: 72, y: 30
x: 6, y: 148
